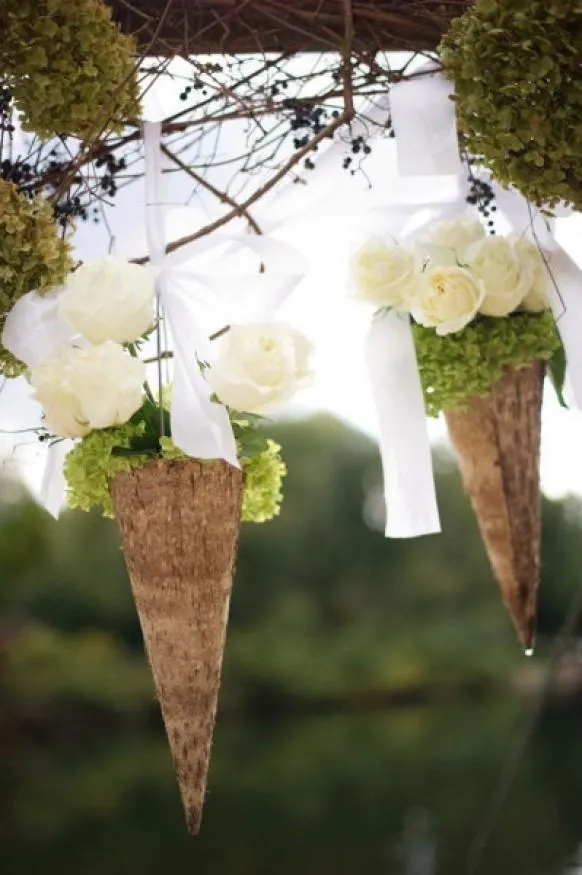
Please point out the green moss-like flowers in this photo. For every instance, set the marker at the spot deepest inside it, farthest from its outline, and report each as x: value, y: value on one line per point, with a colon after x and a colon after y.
x: 32, y: 256
x: 518, y: 81
x: 91, y: 464
x: 69, y: 68
x: 263, y: 481
x: 457, y: 366
x: 32, y: 253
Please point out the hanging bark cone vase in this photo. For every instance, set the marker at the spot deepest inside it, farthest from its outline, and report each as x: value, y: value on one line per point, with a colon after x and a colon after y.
x: 497, y: 441
x: 179, y: 524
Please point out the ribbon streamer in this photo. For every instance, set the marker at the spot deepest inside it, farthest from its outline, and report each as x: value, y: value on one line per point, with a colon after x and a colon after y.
x: 424, y: 122
x: 409, y: 490
x: 200, y: 427
x: 564, y: 278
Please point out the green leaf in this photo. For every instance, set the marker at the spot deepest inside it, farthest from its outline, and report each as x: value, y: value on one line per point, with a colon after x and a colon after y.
x: 557, y: 374
x: 250, y: 441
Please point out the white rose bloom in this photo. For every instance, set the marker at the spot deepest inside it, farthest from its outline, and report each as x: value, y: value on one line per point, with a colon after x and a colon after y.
x: 536, y: 299
x: 259, y: 365
x: 384, y: 274
x: 449, y: 240
x: 506, y: 277
x: 448, y: 300
x: 84, y: 389
x: 109, y: 300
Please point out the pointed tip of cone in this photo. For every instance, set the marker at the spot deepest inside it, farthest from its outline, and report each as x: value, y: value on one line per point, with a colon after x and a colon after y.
x: 193, y: 821
x: 526, y: 631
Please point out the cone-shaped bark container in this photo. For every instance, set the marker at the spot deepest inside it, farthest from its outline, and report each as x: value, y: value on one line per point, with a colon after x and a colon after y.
x: 497, y: 441
x: 179, y: 523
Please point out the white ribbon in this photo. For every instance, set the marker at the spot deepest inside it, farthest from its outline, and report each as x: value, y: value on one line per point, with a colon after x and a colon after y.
x: 424, y: 122
x: 564, y: 278
x: 409, y: 491
x: 53, y: 485
x: 423, y: 117
x: 200, y: 427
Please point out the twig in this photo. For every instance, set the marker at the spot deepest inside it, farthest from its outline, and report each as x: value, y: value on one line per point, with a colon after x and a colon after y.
x: 222, y: 196
x: 326, y: 132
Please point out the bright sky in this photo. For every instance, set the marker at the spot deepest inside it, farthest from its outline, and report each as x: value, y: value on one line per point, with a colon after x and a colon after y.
x: 327, y: 219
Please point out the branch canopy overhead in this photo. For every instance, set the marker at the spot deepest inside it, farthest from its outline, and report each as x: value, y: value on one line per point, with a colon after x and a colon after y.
x: 167, y: 27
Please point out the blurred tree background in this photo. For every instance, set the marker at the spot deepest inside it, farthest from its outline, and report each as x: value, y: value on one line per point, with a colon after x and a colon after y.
x: 364, y: 681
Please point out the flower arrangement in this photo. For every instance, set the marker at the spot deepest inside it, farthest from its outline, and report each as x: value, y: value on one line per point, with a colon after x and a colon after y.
x: 69, y: 68
x: 88, y: 376
x: 478, y: 303
x: 84, y: 348
x: 482, y: 332
x: 516, y: 69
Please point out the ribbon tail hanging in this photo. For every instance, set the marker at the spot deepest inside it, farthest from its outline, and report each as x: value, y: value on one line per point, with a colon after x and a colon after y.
x: 424, y: 122
x: 53, y: 487
x: 564, y: 278
x: 409, y: 488
x: 200, y: 427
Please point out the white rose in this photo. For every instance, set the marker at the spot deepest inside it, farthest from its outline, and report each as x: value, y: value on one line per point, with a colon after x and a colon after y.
x: 109, y: 300
x: 448, y: 299
x: 259, y: 365
x: 83, y: 389
x: 456, y: 234
x: 384, y: 274
x: 536, y: 298
x: 506, y: 277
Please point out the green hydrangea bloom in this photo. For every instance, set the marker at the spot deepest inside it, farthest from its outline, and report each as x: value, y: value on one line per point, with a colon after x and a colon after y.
x: 457, y: 366
x: 32, y: 255
x: 10, y: 366
x: 263, y: 484
x: 68, y: 66
x: 170, y: 450
x: 518, y: 90
x: 90, y: 465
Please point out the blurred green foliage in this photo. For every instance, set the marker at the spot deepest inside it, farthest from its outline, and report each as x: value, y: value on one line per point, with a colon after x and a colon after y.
x: 324, y: 607
x: 325, y: 611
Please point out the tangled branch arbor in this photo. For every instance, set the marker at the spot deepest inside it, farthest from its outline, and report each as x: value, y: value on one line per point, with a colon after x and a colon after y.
x: 166, y: 27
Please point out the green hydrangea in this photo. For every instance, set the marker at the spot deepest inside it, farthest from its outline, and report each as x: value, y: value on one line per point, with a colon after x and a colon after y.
x: 68, y: 66
x: 10, y: 366
x: 263, y: 484
x: 32, y: 255
x: 90, y: 465
x: 457, y: 366
x: 518, y: 82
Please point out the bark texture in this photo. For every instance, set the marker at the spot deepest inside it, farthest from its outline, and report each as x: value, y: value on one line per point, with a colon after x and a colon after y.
x: 179, y: 524
x: 497, y: 441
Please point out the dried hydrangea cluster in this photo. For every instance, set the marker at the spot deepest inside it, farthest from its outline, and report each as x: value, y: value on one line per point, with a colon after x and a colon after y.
x: 479, y: 304
x: 518, y: 84
x: 33, y: 255
x: 69, y: 68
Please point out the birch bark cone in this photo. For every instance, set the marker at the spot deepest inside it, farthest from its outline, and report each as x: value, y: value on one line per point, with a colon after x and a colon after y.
x: 497, y: 441
x: 179, y: 524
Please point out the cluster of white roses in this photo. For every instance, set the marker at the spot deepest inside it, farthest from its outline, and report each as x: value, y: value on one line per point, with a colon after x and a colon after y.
x: 451, y: 274
x: 79, y: 345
